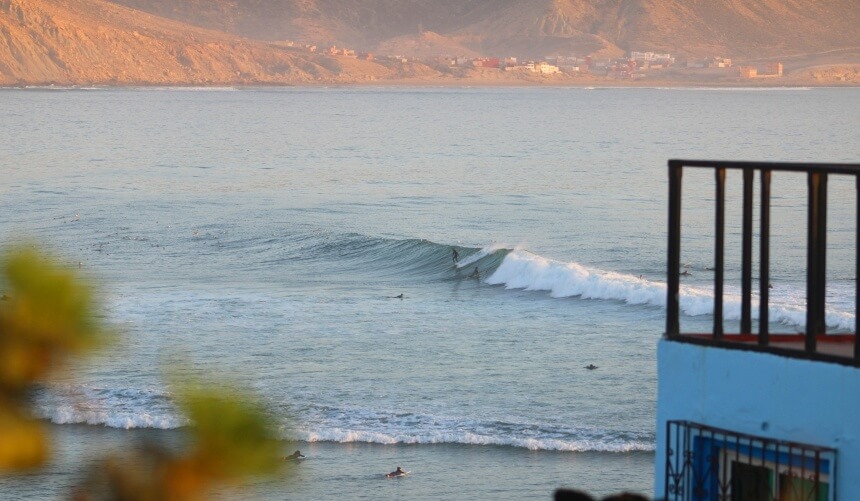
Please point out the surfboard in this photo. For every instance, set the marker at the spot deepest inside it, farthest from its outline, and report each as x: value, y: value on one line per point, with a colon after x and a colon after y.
x: 397, y: 475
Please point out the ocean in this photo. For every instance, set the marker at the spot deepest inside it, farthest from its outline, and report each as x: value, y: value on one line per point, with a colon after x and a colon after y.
x: 264, y: 236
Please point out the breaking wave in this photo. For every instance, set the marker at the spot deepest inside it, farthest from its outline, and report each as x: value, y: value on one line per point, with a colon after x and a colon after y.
x: 521, y: 269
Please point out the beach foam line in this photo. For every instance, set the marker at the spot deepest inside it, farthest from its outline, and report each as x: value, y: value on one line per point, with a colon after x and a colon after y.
x: 132, y: 408
x: 362, y: 425
x: 585, y: 444
x: 115, y: 408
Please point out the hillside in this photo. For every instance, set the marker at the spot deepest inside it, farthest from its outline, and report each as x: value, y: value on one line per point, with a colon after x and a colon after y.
x: 736, y: 28
x: 243, y: 42
x: 79, y: 42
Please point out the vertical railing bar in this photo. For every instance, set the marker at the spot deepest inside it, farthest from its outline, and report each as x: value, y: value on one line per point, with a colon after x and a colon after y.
x: 690, y: 478
x: 693, y: 480
x: 811, y: 258
x: 689, y: 473
x: 764, y: 261
x: 817, y: 474
x: 746, y: 261
x: 822, y: 253
x: 674, y: 250
x: 857, y: 272
x: 790, y: 465
x: 719, y: 251
x: 765, y: 444
x: 802, y: 467
x: 668, y: 458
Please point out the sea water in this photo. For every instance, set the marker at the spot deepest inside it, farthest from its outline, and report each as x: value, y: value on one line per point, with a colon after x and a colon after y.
x: 263, y: 236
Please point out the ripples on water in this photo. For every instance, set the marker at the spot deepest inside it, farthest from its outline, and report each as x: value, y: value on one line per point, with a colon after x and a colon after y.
x: 267, y: 233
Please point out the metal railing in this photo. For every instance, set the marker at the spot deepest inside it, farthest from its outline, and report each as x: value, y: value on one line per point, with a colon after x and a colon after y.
x: 817, y: 176
x: 704, y: 463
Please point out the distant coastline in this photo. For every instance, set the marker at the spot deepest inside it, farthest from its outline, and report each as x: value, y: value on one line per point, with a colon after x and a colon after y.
x: 444, y: 83
x: 836, y: 75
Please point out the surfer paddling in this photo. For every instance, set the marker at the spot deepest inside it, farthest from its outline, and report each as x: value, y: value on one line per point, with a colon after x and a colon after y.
x: 397, y: 473
x: 591, y: 367
x: 295, y: 456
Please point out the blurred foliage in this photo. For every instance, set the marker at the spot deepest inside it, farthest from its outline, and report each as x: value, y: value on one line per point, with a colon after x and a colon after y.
x: 231, y: 438
x: 46, y: 317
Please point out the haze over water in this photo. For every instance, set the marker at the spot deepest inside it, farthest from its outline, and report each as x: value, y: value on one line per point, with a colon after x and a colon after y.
x: 265, y: 234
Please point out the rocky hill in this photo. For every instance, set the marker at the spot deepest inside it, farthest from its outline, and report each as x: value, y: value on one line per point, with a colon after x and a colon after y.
x: 214, y: 42
x: 80, y: 42
x: 735, y: 28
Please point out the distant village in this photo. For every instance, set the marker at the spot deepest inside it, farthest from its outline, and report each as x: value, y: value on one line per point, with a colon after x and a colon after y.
x: 635, y: 65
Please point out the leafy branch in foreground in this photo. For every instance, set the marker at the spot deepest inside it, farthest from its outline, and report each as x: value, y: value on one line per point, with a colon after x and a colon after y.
x: 230, y: 438
x: 46, y: 318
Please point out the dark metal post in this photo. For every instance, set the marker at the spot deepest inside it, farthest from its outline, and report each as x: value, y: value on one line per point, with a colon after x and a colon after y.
x: 764, y: 261
x: 816, y: 263
x: 719, y: 251
x: 673, y: 328
x: 746, y: 260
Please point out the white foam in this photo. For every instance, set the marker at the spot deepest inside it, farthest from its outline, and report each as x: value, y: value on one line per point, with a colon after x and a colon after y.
x: 348, y: 425
x: 152, y: 408
x: 524, y: 270
x: 114, y: 408
x: 469, y: 438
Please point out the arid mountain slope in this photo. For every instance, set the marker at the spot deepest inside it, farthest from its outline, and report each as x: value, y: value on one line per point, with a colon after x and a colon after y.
x: 149, y: 42
x: 98, y: 42
x: 737, y: 28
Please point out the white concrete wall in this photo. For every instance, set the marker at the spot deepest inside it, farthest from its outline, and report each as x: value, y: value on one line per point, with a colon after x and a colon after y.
x: 816, y: 403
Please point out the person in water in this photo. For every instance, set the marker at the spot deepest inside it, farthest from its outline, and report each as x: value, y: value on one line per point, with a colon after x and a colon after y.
x: 591, y: 367
x: 396, y: 473
x: 295, y: 455
x: 475, y: 274
x: 455, y: 256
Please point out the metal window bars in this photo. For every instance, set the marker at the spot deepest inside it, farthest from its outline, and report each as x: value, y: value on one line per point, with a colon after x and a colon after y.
x: 817, y: 176
x: 704, y: 463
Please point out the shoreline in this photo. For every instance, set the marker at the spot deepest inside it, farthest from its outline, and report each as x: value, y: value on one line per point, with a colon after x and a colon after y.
x: 484, y: 80
x: 427, y: 84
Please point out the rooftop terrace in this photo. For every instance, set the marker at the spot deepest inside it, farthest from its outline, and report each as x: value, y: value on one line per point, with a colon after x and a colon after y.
x: 814, y: 343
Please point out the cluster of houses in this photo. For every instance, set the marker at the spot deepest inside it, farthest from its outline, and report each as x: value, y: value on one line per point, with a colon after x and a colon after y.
x: 634, y: 66
x: 710, y: 62
x: 769, y: 70
x: 509, y: 64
